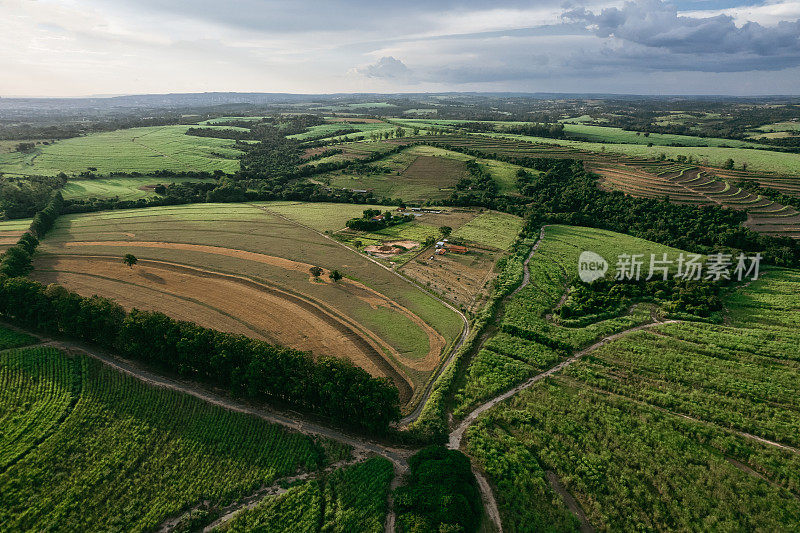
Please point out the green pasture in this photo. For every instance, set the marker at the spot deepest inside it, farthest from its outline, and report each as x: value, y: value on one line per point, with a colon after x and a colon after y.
x: 129, y: 150
x: 123, y: 188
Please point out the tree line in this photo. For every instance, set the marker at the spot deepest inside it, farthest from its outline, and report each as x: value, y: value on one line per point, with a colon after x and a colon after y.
x: 329, y: 387
x: 17, y: 260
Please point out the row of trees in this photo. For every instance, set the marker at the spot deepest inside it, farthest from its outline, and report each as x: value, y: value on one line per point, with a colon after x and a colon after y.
x: 328, y: 387
x: 17, y: 260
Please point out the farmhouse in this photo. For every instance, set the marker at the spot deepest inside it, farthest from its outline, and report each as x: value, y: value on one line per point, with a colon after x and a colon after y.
x: 456, y: 249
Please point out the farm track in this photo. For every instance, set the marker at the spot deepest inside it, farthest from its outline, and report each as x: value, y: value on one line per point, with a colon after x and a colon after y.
x: 451, y: 354
x: 289, y: 419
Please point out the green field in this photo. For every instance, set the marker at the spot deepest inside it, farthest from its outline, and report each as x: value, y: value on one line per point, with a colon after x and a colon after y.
x: 714, y: 155
x: 432, y: 178
x: 130, y: 150
x: 351, y: 499
x: 510, y: 357
x: 494, y: 229
x: 650, y: 432
x: 765, y: 160
x: 86, y: 448
x: 123, y: 188
x: 781, y: 126
x: 326, y: 129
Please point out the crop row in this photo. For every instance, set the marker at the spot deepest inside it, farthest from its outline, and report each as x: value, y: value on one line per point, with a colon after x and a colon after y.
x: 126, y: 454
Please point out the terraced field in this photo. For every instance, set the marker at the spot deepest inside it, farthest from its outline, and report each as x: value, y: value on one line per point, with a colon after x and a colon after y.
x: 87, y: 448
x: 136, y: 149
x: 244, y: 269
x: 680, y: 182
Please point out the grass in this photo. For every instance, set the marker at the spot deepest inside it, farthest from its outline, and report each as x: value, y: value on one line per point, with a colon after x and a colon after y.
x: 123, y: 188
x: 422, y: 173
x: 494, y: 229
x: 85, y: 447
x: 130, y: 150
x: 764, y: 160
x: 652, y: 413
x: 321, y: 216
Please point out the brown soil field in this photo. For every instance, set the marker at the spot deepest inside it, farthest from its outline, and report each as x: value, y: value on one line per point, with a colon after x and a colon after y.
x: 224, y: 302
x: 435, y: 170
x: 392, y: 248
x: 461, y: 279
x: 371, y: 297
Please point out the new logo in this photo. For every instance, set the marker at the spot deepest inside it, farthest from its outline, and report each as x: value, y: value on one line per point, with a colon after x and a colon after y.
x: 591, y: 266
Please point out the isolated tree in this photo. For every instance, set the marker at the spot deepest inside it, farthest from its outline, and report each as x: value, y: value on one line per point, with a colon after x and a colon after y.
x: 130, y: 260
x: 445, y: 230
x: 315, y: 271
x: 335, y: 275
x: 728, y: 164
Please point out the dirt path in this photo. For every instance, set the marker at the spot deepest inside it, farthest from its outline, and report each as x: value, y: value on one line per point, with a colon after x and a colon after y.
x: 411, y: 417
x: 292, y: 420
x: 457, y: 434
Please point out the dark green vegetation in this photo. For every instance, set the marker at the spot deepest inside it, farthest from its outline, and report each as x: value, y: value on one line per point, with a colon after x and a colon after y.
x: 16, y: 260
x: 349, y: 499
x: 440, y: 493
x: 14, y: 339
x: 86, y: 448
x: 329, y: 387
x: 699, y: 298
x: 374, y: 220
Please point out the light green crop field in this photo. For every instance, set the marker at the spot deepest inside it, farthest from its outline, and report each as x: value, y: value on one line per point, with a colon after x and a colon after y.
x: 321, y: 216
x: 765, y: 160
x: 124, y: 188
x: 19, y: 224
x: 182, y: 235
x: 214, y: 121
x: 756, y: 159
x: 87, y: 448
x: 503, y: 362
x: 130, y: 150
x: 498, y: 230
x: 653, y: 413
x: 330, y: 129
x: 620, y: 136
x: 781, y: 126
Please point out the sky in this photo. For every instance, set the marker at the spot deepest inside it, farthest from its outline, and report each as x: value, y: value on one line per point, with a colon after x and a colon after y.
x: 110, y: 47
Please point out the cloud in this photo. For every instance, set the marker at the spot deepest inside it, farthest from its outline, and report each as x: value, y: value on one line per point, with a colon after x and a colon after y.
x: 386, y: 67
x: 657, y: 24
